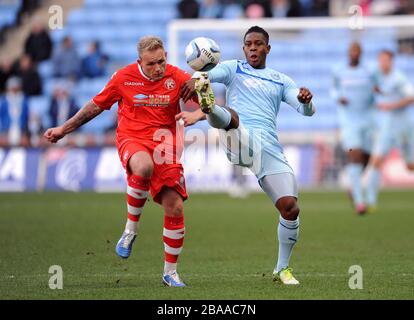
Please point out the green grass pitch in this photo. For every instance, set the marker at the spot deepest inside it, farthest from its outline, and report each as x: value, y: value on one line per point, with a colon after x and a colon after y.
x: 229, y: 253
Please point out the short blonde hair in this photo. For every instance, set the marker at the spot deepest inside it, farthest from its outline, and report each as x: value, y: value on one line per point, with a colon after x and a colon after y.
x: 149, y: 43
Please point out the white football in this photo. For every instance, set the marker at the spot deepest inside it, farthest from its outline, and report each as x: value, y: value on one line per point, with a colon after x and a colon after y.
x: 202, y: 54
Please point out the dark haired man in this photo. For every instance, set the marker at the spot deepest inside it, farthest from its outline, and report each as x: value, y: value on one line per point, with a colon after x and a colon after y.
x: 353, y: 91
x: 255, y: 92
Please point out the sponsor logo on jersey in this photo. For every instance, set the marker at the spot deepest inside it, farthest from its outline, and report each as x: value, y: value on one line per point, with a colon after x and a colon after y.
x: 152, y: 100
x: 169, y: 84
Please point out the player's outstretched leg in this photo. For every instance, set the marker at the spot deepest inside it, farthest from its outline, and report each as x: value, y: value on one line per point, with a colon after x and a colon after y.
x: 356, y: 163
x: 173, y: 236
x: 217, y: 116
x: 137, y: 193
x: 354, y: 171
x: 282, y: 189
x: 139, y: 171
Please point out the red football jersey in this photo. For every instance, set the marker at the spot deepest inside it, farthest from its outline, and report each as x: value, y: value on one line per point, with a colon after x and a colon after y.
x: 144, y: 106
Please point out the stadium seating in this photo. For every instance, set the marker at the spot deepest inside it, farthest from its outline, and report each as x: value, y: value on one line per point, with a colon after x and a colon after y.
x: 8, y: 12
x: 118, y: 24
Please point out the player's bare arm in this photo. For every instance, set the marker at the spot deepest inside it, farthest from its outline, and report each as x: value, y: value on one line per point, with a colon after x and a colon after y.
x: 87, y: 113
x: 377, y: 90
x: 191, y: 117
x: 396, y: 105
x: 188, y: 90
x: 304, y: 96
x: 343, y: 101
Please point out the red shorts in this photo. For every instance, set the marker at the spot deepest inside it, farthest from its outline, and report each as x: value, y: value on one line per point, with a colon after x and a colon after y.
x: 168, y: 174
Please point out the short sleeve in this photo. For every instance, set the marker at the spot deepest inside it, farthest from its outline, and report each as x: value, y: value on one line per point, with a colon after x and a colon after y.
x: 290, y: 89
x: 223, y: 72
x: 109, y: 94
x: 182, y: 77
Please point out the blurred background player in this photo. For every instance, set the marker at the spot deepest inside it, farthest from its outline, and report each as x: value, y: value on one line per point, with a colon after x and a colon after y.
x: 255, y: 92
x: 353, y: 90
x: 394, y: 96
x: 147, y: 93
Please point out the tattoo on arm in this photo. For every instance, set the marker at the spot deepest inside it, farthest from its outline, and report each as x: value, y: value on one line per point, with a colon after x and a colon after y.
x: 84, y: 115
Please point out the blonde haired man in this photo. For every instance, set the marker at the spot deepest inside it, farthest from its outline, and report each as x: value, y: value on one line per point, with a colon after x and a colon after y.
x: 147, y: 93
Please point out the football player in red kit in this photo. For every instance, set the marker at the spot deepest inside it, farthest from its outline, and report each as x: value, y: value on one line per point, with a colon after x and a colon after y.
x: 147, y: 93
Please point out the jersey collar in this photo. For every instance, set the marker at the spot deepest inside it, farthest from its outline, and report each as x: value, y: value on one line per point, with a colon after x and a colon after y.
x: 143, y: 74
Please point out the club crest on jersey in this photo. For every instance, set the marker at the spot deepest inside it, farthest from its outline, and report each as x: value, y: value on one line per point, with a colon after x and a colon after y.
x: 169, y: 84
x: 275, y: 76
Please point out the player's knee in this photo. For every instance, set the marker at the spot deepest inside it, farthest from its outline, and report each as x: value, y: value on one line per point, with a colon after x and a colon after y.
x: 174, y: 208
x: 291, y: 213
x: 172, y: 202
x: 288, y: 208
x: 142, y: 169
x: 141, y: 165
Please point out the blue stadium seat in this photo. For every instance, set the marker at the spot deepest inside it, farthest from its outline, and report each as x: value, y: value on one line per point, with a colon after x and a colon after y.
x: 90, y: 87
x: 102, y: 122
x: 48, y: 85
x: 39, y: 106
x: 58, y: 34
x: 125, y: 51
x: 233, y: 11
x: 77, y: 17
x: 308, y: 57
x: 45, y: 69
x: 8, y: 12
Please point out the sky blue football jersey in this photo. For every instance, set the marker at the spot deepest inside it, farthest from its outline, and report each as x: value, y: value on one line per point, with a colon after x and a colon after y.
x: 256, y: 95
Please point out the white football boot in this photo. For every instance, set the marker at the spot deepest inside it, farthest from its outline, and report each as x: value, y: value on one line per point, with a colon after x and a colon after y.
x: 285, y: 276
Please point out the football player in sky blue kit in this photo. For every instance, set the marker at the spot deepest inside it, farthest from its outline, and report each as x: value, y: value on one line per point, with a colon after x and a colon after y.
x: 255, y: 93
x: 353, y: 90
x: 395, y: 95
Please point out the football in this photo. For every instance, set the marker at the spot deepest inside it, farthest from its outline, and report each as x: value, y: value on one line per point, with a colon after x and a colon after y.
x: 202, y: 54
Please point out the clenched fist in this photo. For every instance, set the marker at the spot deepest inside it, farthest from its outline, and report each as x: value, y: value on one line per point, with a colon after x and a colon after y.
x: 304, y: 96
x: 53, y: 135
